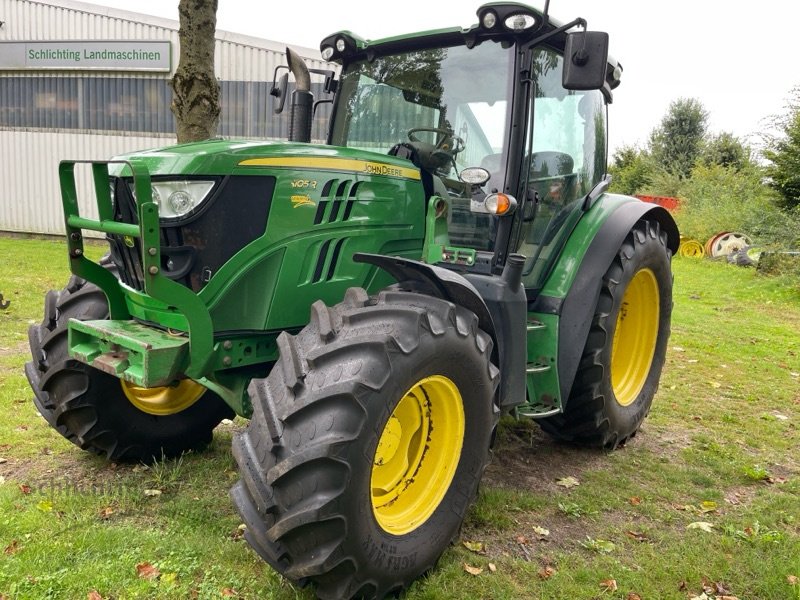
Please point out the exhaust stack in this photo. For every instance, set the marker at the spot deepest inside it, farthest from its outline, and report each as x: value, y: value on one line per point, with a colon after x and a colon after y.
x: 302, y: 99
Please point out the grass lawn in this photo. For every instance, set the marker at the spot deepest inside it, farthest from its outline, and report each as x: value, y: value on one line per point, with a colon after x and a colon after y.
x: 705, y: 500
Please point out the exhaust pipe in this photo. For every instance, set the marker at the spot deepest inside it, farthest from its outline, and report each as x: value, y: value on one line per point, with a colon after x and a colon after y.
x: 302, y: 99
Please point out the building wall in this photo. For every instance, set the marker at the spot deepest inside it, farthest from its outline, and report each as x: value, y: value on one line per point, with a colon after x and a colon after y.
x: 47, y: 116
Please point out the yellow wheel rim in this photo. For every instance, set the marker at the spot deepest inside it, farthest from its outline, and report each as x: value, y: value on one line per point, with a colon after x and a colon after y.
x: 417, y: 455
x: 635, y: 337
x: 166, y: 400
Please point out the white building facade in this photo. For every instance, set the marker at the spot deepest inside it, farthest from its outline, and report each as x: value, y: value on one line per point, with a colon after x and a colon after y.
x: 81, y: 81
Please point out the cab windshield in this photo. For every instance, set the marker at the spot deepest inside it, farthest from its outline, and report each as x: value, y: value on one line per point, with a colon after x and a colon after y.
x: 458, y: 90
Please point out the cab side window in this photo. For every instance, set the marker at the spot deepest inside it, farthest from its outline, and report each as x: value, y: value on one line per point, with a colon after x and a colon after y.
x: 565, y: 158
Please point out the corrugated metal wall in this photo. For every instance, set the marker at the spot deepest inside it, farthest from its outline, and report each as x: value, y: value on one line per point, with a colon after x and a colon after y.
x: 32, y: 144
x: 32, y: 203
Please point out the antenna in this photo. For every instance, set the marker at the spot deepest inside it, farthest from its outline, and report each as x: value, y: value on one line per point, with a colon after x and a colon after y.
x: 546, y: 14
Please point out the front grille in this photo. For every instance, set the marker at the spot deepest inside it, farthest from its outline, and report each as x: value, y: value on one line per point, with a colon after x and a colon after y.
x: 125, y: 250
x: 194, y: 248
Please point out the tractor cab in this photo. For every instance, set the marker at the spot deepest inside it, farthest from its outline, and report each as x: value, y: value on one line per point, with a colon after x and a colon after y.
x: 504, y: 129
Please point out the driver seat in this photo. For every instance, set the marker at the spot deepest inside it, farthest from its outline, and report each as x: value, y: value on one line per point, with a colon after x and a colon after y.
x: 432, y: 184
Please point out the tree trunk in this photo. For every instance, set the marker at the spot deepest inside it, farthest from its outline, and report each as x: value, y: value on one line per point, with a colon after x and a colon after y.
x: 195, y: 99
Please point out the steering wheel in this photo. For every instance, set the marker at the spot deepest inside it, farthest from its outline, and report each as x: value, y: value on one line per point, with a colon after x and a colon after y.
x: 448, y: 142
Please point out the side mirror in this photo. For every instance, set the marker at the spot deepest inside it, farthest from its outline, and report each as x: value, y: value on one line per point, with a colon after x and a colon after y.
x: 585, y: 60
x: 279, y: 92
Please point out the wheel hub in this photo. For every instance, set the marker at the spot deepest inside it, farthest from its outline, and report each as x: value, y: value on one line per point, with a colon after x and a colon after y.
x: 166, y: 400
x: 417, y: 455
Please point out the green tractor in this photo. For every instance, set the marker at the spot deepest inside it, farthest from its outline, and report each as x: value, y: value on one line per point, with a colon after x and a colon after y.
x: 372, y: 304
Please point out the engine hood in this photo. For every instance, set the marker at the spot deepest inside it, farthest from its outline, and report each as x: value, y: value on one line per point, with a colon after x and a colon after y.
x: 224, y: 157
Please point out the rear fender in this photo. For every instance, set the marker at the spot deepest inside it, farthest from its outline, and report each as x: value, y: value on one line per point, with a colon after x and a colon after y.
x: 576, y: 309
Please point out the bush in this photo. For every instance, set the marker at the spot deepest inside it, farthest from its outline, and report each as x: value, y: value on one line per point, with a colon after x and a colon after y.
x: 717, y: 198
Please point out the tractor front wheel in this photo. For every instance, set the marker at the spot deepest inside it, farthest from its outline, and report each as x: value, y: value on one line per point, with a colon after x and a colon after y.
x: 621, y: 363
x: 367, y: 442
x: 100, y: 413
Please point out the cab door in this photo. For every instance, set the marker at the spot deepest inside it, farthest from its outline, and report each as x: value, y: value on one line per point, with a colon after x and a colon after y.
x: 565, y: 156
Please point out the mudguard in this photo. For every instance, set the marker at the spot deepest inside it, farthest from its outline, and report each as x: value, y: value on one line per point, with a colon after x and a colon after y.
x: 576, y: 308
x: 443, y: 283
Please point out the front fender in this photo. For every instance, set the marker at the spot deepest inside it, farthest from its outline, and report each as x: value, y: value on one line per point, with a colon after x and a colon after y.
x: 436, y: 281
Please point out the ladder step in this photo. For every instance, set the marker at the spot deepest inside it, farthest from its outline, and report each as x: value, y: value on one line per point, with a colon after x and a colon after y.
x: 537, y: 368
x: 537, y: 412
x: 536, y: 325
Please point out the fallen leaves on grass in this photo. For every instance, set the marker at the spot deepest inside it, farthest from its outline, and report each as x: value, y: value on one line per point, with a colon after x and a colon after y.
x: 568, y: 482
x: 472, y: 570
x: 94, y: 595
x: 3, y: 461
x: 541, y: 532
x: 152, y: 493
x: 793, y: 579
x: 239, y: 533
x: 609, y: 585
x: 493, y: 567
x: 106, y: 512
x: 24, y: 488
x: 599, y: 546
x: 147, y: 571
x: 701, y: 525
x: 635, y: 500
x: 638, y: 536
x: 12, y: 548
x: 45, y: 506
x: 229, y: 593
x: 546, y: 572
x: 708, y: 506
x: 778, y: 480
x: 714, y: 590
x: 477, y: 547
x: 633, y: 596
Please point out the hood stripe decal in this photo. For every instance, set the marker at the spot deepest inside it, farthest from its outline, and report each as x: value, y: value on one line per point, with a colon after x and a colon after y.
x: 350, y: 165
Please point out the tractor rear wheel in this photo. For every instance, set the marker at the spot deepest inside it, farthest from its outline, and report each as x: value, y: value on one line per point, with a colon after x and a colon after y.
x: 367, y: 442
x: 100, y: 413
x: 625, y: 351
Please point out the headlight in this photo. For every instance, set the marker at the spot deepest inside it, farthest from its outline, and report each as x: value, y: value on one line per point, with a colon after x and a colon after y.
x: 178, y: 198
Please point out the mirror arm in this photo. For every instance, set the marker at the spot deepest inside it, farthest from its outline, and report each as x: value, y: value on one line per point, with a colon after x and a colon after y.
x: 543, y: 38
x: 318, y: 102
x: 579, y: 21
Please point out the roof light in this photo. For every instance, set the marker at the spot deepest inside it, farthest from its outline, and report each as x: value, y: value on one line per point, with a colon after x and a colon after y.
x: 327, y: 52
x: 475, y: 175
x: 519, y: 22
x: 341, y: 45
x: 489, y: 19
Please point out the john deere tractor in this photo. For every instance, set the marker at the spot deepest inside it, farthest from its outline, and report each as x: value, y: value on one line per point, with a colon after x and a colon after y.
x: 372, y: 304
